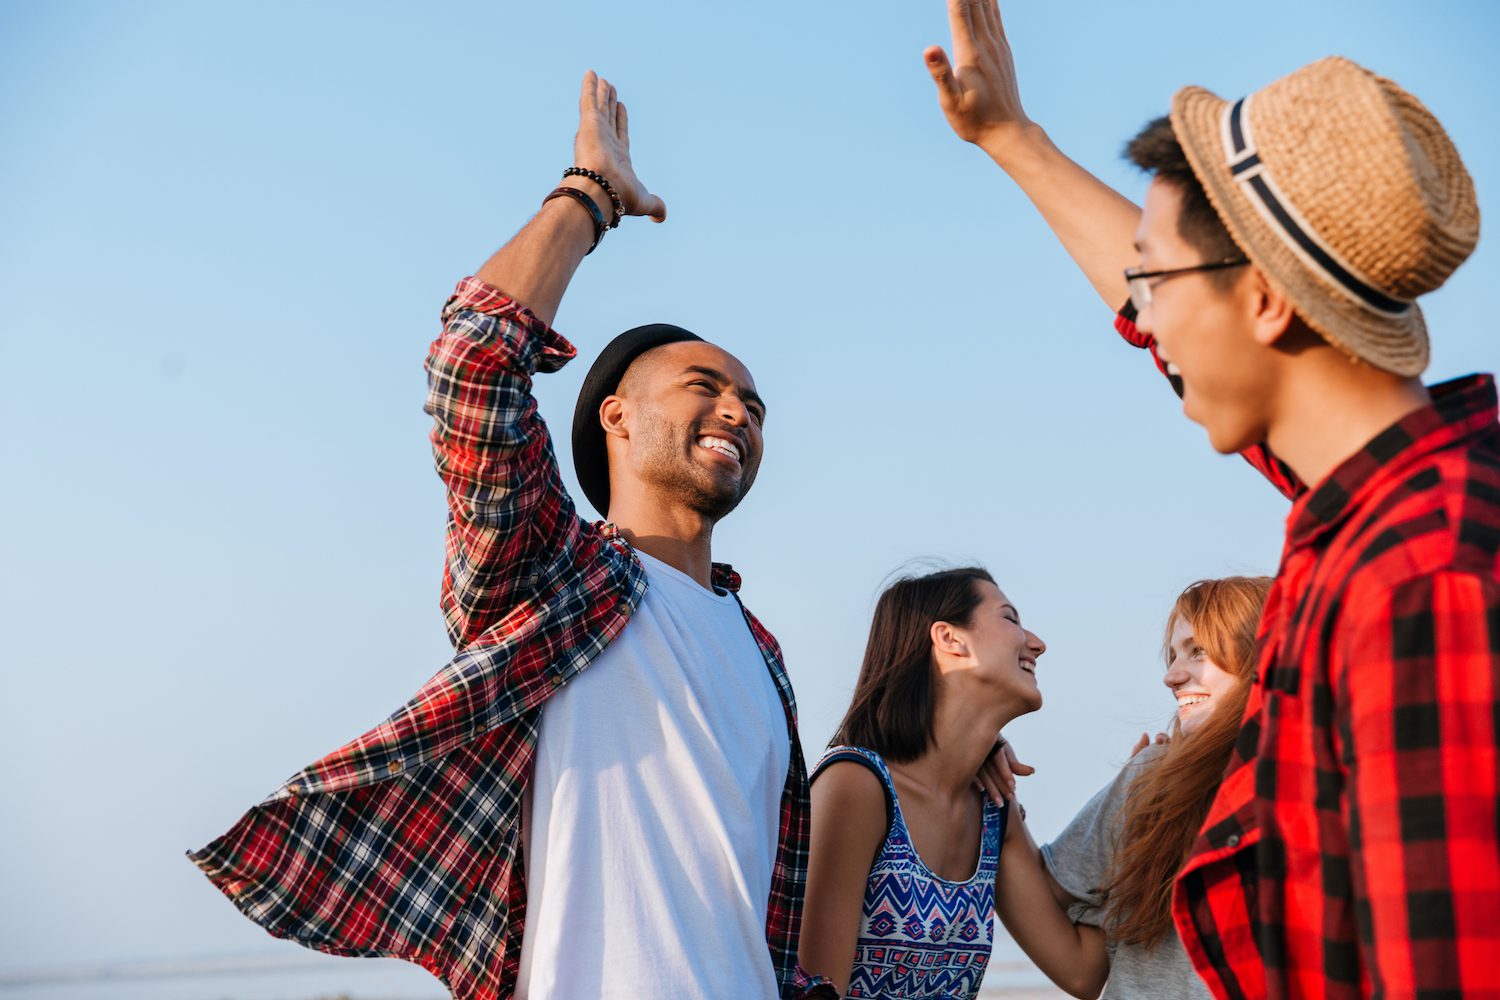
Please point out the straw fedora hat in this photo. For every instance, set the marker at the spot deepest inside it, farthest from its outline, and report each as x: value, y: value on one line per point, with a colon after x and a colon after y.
x: 1345, y: 192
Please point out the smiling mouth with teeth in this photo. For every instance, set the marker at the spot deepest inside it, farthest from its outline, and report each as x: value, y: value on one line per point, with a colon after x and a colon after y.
x: 1029, y: 667
x: 721, y: 446
x: 1190, y: 700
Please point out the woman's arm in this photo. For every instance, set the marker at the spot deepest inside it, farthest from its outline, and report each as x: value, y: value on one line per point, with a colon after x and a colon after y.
x: 1033, y: 906
x: 848, y: 826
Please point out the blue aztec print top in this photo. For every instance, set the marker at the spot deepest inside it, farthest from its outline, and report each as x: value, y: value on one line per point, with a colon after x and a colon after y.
x: 922, y: 937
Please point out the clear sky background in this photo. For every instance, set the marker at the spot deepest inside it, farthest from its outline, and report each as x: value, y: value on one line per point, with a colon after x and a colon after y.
x: 225, y: 234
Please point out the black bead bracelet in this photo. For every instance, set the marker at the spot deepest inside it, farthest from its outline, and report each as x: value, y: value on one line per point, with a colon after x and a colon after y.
x: 598, y: 179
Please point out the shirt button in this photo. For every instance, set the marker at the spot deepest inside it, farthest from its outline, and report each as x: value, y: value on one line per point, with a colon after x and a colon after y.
x: 1233, y: 840
x: 394, y: 767
x: 557, y: 681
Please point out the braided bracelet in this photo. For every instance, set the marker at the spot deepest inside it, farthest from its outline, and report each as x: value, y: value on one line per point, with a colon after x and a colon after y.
x: 598, y: 179
x: 583, y: 199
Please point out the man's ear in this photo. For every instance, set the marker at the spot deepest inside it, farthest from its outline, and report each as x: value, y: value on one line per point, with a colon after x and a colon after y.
x: 1274, y: 314
x: 613, y: 417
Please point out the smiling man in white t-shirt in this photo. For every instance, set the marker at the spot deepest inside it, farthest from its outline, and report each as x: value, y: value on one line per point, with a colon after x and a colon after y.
x: 525, y: 826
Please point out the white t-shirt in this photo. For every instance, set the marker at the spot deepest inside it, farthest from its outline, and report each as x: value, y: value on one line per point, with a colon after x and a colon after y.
x: 652, y: 818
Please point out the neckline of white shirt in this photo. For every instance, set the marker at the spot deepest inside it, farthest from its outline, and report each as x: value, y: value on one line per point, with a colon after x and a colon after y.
x: 654, y: 566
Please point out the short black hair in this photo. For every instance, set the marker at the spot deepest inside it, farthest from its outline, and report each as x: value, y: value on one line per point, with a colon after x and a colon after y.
x: 1155, y: 149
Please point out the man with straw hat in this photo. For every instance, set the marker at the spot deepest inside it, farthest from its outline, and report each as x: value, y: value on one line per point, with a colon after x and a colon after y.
x: 1353, y: 848
x: 608, y: 685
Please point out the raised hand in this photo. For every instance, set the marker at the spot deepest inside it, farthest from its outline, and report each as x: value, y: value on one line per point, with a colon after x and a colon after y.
x: 603, y: 145
x: 980, y: 97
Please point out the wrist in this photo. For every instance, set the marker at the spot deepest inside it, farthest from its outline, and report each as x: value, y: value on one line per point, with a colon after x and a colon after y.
x: 595, y: 192
x: 582, y: 217
x: 1017, y: 146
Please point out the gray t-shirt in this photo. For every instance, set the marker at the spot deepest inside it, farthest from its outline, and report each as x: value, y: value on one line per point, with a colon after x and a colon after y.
x: 1080, y: 858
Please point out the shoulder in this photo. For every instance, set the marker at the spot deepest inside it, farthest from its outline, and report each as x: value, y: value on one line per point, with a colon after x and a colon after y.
x: 850, y: 816
x: 1439, y: 514
x: 850, y: 782
x: 1095, y: 822
x: 849, y: 776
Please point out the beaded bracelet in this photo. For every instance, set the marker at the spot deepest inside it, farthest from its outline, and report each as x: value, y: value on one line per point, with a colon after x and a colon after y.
x: 598, y: 179
x: 583, y: 199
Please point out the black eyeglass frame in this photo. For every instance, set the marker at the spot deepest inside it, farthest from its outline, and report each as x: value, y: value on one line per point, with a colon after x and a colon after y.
x: 1140, y: 289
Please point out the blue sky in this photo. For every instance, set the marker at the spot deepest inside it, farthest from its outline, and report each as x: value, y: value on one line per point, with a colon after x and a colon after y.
x: 227, y: 233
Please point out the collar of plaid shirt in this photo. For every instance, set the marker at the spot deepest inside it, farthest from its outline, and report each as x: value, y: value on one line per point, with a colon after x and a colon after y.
x: 1328, y: 865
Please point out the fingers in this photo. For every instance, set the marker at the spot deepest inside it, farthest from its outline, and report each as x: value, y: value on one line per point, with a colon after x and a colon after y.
x: 942, y: 74
x: 622, y: 124
x: 1016, y: 767
x: 998, y: 783
x: 654, y: 208
x: 997, y: 769
x: 586, y: 96
x: 1140, y: 744
x: 961, y: 23
x: 996, y: 18
x: 987, y: 20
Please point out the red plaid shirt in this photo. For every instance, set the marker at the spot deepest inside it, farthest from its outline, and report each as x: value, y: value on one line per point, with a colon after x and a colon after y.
x: 407, y: 841
x: 1353, y: 849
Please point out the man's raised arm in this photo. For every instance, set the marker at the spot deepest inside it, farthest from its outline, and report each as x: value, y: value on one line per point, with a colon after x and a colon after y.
x: 508, y: 514
x: 534, y: 268
x: 982, y: 101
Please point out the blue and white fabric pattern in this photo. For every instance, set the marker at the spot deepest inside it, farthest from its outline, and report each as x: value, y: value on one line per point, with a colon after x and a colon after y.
x: 922, y: 937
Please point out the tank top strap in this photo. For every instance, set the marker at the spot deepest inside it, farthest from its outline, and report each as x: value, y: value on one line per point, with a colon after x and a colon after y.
x: 996, y: 818
x: 871, y: 760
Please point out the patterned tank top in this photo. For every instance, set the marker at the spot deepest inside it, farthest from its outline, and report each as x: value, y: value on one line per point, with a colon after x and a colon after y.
x: 921, y: 937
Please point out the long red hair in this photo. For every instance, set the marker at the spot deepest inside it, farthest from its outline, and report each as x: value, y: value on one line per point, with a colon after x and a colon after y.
x: 1167, y: 803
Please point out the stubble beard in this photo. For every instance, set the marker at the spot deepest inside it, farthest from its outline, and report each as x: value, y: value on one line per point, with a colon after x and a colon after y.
x: 666, y: 465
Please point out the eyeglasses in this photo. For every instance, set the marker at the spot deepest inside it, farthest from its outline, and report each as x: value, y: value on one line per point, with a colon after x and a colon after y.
x: 1140, y: 282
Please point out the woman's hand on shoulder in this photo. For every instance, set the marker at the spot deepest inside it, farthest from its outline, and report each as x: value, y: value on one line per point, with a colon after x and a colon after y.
x: 1145, y: 741
x: 997, y: 775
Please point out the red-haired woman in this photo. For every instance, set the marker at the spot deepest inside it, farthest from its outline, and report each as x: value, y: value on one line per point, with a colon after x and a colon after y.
x: 1095, y: 904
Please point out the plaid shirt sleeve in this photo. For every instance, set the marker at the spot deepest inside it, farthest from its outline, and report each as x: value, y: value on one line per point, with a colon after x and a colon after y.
x: 507, y: 506
x: 1416, y: 725
x: 1260, y: 456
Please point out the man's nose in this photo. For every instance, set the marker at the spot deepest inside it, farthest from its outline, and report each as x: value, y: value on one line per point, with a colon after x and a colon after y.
x: 1143, y: 319
x: 733, y: 409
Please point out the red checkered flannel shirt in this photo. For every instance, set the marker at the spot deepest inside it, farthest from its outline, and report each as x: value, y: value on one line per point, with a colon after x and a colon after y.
x: 407, y: 842
x: 1353, y: 849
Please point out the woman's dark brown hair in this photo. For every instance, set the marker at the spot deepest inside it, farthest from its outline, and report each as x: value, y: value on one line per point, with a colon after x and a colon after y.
x: 1168, y: 801
x: 891, y: 712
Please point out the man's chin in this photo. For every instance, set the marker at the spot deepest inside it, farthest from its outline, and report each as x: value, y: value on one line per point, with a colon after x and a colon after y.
x: 1222, y: 437
x: 714, y: 500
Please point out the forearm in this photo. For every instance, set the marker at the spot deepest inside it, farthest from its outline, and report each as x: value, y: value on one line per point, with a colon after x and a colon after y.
x: 1027, y: 899
x: 534, y: 268
x: 1095, y: 223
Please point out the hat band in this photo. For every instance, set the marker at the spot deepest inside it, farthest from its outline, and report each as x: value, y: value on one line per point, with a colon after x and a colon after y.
x: 1276, y: 209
